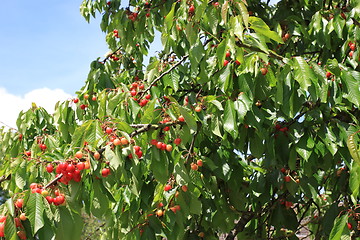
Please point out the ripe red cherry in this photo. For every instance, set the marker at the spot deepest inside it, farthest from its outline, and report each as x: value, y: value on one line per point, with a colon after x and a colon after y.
x: 133, y: 93
x: 49, y: 168
x: 199, y: 163
x: 137, y: 148
x: 2, y: 230
x: 134, y: 85
x: 216, y: 4
x: 21, y: 234
x: 19, y: 203
x: 2, y: 219
x: 159, y: 145
x: 191, y: 9
x: 181, y: 118
x: 167, y: 187
x: 349, y: 226
x: 177, y: 141
x: 83, y: 106
x: 237, y: 62
x: 59, y: 200
x: 198, y: 109
x: 153, y: 142
x: 184, y: 188
x: 42, y: 147
x: 97, y: 155
x: 108, y: 130
x: 80, y: 166
x: 28, y: 153
x: 141, y: 86
x: 139, y: 154
x: 352, y: 46
x: 351, y: 54
x: 328, y: 74
x: 228, y: 54
x: 75, y: 100
x: 194, y: 166
x: 105, y: 172
x: 263, y: 71
x: 226, y: 62
x: 70, y: 168
x: 283, y: 170
x: 287, y: 178
x: 148, y: 96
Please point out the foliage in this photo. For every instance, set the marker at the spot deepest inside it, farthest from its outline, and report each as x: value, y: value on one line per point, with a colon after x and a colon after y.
x: 264, y: 99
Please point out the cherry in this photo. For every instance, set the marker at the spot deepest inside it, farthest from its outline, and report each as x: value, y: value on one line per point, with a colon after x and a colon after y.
x: 2, y: 219
x: 159, y: 213
x: 17, y: 222
x: 198, y: 109
x: 124, y: 141
x: 169, y: 148
x: 237, y: 62
x: 42, y: 147
x: 28, y: 153
x: 181, y: 118
x: 2, y: 230
x: 263, y: 71
x: 192, y: 9
x: 199, y: 163
x: 139, y: 154
x: 349, y: 226
x: 105, y: 172
x: 352, y: 46
x: 283, y: 170
x: 141, y: 86
x: 228, y: 54
x: 163, y: 146
x: 167, y: 187
x: 21, y: 235
x: 19, y: 203
x: 117, y: 142
x: 159, y: 145
x: 153, y: 142
x: 79, y: 154
x: 75, y: 100
x: 97, y: 155
x: 83, y: 106
x: 86, y: 96
x: 134, y: 85
x: 49, y: 168
x: 184, y: 188
x: 32, y: 186
x: 177, y: 141
x: 148, y: 96
x: 226, y: 62
x: 49, y: 199
x: 288, y: 204
x: 44, y: 192
x: 328, y: 74
x: 70, y: 168
x: 108, y: 130
x: 137, y: 148
x: 94, y: 98
x: 194, y: 166
x: 351, y: 54
x: 287, y: 178
x: 59, y: 200
x: 80, y: 166
x: 167, y: 128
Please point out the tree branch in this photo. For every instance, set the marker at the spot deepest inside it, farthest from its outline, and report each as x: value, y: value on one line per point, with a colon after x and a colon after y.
x: 53, y: 181
x: 163, y: 74
x: 240, y: 225
x: 146, y: 127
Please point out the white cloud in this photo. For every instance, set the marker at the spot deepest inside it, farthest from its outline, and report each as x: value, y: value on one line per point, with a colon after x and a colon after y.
x: 11, y: 105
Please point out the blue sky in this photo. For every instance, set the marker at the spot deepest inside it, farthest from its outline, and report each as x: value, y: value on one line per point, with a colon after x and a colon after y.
x: 46, y: 44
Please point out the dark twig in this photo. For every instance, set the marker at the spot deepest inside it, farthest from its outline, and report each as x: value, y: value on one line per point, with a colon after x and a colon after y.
x: 240, y: 225
x: 163, y: 74
x: 146, y: 127
x: 54, y: 180
x: 97, y: 229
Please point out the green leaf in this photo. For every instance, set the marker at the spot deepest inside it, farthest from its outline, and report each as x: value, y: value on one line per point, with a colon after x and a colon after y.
x: 89, y: 131
x: 69, y: 225
x: 338, y: 228
x: 351, y: 87
x: 10, y: 229
x: 354, y: 181
x: 230, y: 119
x: 100, y: 202
x: 224, y: 10
x: 169, y: 19
x: 260, y: 27
x: 303, y: 73
x: 190, y: 120
x: 34, y: 211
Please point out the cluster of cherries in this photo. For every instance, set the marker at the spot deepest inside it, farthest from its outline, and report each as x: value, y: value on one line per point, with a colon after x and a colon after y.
x: 57, y: 200
x: 21, y: 233
x: 135, y: 87
x: 138, y: 152
x: 227, y: 59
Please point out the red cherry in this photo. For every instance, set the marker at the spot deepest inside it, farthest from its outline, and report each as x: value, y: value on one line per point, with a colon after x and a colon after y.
x: 167, y: 187
x: 263, y: 71
x: 137, y: 148
x: 352, y: 46
x: 134, y: 85
x: 148, y: 96
x: 83, y: 106
x: 194, y: 166
x: 181, y: 118
x: 199, y: 163
x: 328, y: 74
x: 163, y: 146
x: 153, y: 142
x: 108, y: 130
x: 237, y: 62
x: 228, y: 54
x: 287, y: 178
x: 133, y: 93
x: 32, y: 186
x: 139, y: 154
x: 167, y: 128
x: 42, y: 147
x: 177, y: 141
x: 17, y: 222
x: 105, y: 172
x: 226, y: 62
x: 159, y: 145
x: 75, y: 100
x: 169, y: 148
x: 283, y: 170
x: 351, y: 54
x: 19, y: 203
x: 79, y: 154
x: 191, y: 9
x: 349, y: 226
x: 2, y: 219
x: 49, y: 168
x: 28, y: 153
x: 80, y: 166
x: 141, y: 86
